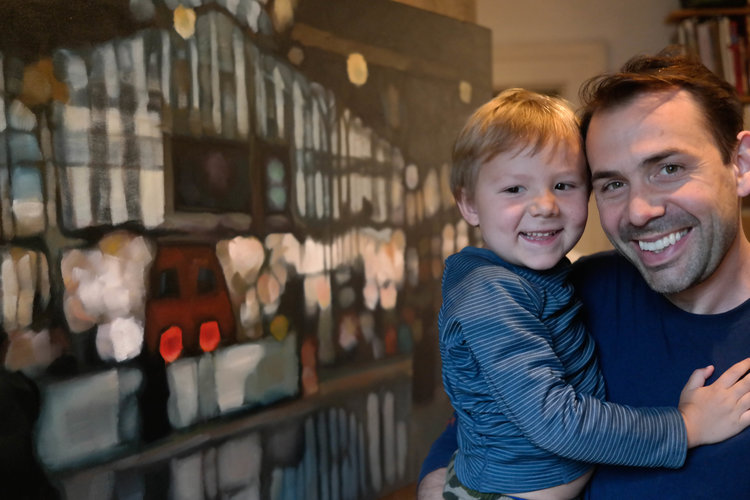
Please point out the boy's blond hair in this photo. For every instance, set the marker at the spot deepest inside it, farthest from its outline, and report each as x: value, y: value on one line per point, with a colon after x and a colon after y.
x: 514, y: 120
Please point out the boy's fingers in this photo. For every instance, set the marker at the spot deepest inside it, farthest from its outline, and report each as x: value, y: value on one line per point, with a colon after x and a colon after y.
x: 698, y: 378
x: 743, y: 403
x: 735, y: 373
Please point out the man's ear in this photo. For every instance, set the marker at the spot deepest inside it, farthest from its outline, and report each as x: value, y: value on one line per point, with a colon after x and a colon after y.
x: 468, y: 209
x: 742, y: 163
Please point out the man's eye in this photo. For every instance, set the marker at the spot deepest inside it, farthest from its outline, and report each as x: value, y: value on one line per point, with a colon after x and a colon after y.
x: 670, y: 169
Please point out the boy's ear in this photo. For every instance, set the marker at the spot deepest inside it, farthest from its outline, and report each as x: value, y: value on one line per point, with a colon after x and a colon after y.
x: 468, y: 209
x: 742, y: 163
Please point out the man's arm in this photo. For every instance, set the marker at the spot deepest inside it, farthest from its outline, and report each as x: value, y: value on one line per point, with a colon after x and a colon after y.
x: 432, y: 475
x: 431, y: 485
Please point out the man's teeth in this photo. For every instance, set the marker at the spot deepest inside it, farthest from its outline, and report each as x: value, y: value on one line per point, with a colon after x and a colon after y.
x: 662, y: 243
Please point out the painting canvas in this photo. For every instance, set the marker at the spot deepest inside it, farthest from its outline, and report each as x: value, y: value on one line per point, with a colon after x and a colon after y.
x: 223, y: 224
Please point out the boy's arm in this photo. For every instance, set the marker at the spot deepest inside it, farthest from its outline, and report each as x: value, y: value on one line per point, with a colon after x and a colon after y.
x: 519, y: 362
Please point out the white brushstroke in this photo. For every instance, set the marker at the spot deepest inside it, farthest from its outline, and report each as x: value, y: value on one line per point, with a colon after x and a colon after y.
x: 20, y: 117
x: 79, y: 180
x: 240, y: 83
x: 279, y: 87
x: 117, y: 198
x: 166, y: 69
x: 182, y: 405
x: 298, y: 110
x: 299, y: 183
x: 233, y: 366
x: 25, y: 272
x: 186, y: 477
x: 261, y: 112
x: 195, y: 100
x: 120, y: 339
x: 319, y: 207
x: 10, y: 288
x: 215, y: 96
x: 239, y: 463
x: 152, y: 196
x: 254, y: 11
x: 29, y: 216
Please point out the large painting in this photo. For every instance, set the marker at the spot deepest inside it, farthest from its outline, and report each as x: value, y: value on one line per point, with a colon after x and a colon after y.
x: 223, y: 224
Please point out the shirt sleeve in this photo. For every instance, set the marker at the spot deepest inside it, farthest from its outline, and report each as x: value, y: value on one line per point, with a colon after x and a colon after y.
x: 502, y: 340
x: 441, y: 451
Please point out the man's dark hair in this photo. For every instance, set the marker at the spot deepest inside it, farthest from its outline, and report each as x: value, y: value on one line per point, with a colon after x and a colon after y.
x: 669, y: 69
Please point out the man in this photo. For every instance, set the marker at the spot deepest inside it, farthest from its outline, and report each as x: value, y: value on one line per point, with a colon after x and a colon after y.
x: 669, y: 164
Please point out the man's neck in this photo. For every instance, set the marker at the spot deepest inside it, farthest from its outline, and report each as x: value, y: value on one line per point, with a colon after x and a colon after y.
x: 725, y: 289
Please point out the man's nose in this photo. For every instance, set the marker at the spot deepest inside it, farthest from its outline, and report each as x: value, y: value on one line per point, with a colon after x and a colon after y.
x: 642, y: 207
x: 544, y: 205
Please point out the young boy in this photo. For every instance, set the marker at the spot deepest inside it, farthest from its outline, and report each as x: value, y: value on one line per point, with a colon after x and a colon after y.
x: 518, y: 365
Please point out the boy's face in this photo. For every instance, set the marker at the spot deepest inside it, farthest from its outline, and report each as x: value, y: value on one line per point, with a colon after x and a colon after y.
x: 531, y: 209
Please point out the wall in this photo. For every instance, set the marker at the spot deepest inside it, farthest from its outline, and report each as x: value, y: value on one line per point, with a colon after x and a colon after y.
x: 463, y: 10
x: 624, y: 28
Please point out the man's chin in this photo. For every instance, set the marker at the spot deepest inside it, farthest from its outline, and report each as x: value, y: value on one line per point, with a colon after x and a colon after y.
x: 666, y: 281
x: 662, y: 279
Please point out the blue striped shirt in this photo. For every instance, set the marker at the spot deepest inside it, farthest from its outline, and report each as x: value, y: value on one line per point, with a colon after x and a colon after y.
x: 521, y: 373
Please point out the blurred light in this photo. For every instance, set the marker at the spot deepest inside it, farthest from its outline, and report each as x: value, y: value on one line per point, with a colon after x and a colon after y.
x: 170, y: 344
x: 210, y: 336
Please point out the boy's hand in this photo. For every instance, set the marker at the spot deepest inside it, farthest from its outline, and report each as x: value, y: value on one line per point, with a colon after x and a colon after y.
x: 718, y: 411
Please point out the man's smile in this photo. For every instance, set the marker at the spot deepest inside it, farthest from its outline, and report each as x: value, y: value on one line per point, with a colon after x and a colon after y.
x: 662, y: 243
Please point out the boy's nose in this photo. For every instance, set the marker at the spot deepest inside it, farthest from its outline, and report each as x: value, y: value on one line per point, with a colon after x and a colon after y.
x: 544, y: 205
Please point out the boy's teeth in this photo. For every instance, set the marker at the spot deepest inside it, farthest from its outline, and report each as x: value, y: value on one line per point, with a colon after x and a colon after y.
x: 662, y: 243
x: 539, y: 235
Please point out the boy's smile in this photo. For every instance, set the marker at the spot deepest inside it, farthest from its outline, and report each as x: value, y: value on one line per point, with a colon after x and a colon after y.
x: 531, y: 207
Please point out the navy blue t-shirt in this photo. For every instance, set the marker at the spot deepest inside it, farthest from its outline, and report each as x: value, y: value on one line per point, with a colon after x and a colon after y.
x: 647, y: 350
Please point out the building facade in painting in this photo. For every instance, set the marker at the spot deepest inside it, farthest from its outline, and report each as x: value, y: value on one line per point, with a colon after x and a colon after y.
x: 223, y: 231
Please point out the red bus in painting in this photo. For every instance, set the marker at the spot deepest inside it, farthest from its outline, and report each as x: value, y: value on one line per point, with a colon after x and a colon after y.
x: 188, y: 311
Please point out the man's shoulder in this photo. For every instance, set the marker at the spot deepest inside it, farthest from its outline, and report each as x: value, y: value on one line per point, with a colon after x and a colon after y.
x: 608, y: 257
x: 604, y: 270
x: 600, y: 263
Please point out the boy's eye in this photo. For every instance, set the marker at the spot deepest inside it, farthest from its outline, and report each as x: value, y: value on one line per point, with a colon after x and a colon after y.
x: 562, y: 186
x: 611, y: 186
x: 513, y: 189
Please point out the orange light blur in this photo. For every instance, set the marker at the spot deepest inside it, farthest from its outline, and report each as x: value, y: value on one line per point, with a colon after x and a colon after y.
x: 170, y: 344
x: 210, y: 336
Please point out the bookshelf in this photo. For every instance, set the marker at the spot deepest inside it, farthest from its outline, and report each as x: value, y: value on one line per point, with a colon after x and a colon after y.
x: 678, y: 15
x: 719, y: 36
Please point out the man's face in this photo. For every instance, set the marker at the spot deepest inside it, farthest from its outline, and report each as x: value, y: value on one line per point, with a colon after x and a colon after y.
x: 666, y: 200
